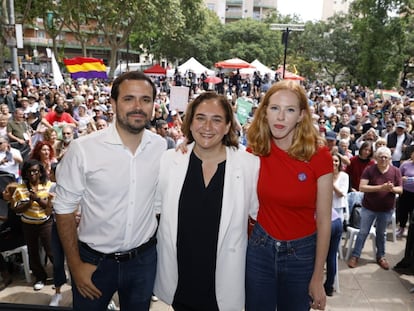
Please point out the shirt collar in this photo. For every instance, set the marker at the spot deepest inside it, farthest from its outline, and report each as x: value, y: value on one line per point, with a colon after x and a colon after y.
x: 112, y: 137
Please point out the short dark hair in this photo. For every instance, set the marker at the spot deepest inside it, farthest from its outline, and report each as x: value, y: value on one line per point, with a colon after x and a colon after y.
x: 25, y: 171
x: 160, y: 123
x: 131, y: 75
x: 59, y: 109
x: 231, y: 138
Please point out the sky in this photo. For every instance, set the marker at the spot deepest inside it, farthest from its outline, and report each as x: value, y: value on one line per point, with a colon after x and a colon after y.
x: 308, y: 10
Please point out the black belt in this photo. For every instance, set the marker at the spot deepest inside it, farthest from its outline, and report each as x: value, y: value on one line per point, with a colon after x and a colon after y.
x: 122, y: 256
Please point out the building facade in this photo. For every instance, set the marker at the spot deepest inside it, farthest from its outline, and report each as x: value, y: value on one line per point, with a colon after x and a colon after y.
x: 232, y: 10
x: 332, y: 7
x: 34, y: 57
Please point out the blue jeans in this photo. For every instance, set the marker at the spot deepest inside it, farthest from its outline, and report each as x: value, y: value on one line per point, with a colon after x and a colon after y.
x: 278, y: 272
x: 354, y: 197
x: 59, y: 274
x: 367, y: 219
x: 133, y: 279
x: 331, y: 260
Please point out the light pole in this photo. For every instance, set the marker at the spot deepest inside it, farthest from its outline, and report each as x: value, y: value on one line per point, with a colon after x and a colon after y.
x: 287, y: 28
x: 13, y: 50
x: 35, y: 52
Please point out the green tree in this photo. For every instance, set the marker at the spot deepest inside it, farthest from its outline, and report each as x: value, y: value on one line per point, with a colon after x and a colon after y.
x: 407, y: 14
x: 117, y: 19
x: 331, y: 47
x: 205, y: 45
x: 75, y: 16
x: 249, y: 40
x: 173, y: 30
x: 380, y: 38
x: 49, y: 10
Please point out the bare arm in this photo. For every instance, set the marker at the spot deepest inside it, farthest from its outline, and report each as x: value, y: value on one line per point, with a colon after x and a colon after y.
x: 81, y: 271
x: 68, y: 234
x: 14, y: 138
x: 323, y: 223
x: 46, y: 123
x: 17, y: 157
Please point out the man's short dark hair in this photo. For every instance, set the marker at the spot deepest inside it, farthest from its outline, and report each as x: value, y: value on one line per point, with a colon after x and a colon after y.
x: 59, y: 109
x: 131, y: 75
x: 160, y: 123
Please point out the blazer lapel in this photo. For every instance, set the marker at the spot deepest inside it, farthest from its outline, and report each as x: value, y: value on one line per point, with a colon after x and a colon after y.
x: 231, y: 188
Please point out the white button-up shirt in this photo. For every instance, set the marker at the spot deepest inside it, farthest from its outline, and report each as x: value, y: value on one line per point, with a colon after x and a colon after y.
x: 114, y: 188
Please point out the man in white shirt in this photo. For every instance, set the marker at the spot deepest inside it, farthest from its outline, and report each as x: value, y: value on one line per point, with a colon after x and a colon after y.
x: 329, y: 109
x: 10, y: 158
x: 398, y: 141
x: 112, y: 175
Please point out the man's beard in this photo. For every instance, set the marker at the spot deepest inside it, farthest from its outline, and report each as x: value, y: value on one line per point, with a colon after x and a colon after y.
x: 133, y: 128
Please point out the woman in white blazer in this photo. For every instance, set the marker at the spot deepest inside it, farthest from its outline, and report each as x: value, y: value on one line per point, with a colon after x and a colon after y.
x: 205, y: 197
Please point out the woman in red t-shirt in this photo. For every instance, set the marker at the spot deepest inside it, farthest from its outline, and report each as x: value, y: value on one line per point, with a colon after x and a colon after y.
x: 289, y: 243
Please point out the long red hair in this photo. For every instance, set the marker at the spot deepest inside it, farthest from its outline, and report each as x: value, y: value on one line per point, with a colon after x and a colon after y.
x: 36, y: 150
x: 305, y: 138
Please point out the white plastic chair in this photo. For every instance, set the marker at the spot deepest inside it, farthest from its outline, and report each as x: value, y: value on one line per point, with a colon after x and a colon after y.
x: 394, y: 226
x: 336, y: 283
x: 394, y: 220
x: 25, y: 258
x: 351, y: 234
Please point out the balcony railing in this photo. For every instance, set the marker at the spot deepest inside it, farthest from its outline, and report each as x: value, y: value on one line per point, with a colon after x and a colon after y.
x: 234, y: 2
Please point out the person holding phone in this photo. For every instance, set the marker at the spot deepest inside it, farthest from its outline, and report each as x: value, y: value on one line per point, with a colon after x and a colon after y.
x: 10, y: 158
x: 31, y: 201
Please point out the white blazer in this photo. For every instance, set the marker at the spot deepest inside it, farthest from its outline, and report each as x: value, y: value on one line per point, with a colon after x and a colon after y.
x: 239, y: 201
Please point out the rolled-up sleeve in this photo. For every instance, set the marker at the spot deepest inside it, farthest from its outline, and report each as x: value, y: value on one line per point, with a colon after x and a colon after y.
x: 70, y: 180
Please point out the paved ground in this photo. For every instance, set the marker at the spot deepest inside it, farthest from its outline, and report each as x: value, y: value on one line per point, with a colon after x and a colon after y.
x: 365, y: 288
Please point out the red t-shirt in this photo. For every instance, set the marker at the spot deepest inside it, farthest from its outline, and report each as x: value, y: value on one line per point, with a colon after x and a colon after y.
x: 52, y: 117
x: 287, y: 191
x: 355, y: 169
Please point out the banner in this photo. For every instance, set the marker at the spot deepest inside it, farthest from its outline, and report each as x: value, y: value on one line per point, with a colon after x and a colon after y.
x: 244, y: 107
x: 86, y: 67
x: 179, y: 98
x: 57, y: 75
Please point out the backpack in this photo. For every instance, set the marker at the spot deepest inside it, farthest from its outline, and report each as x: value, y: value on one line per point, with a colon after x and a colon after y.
x: 355, y: 219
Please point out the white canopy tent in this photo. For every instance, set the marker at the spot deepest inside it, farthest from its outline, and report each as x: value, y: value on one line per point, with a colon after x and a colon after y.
x: 195, y: 66
x: 258, y: 67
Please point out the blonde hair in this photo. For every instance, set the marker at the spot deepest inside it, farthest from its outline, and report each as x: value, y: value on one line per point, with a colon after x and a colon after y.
x: 305, y: 139
x: 382, y: 141
x: 9, y: 190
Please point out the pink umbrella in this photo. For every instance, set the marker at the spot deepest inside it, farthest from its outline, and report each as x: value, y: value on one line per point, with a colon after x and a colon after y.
x: 213, y: 79
x: 289, y: 75
x: 233, y: 63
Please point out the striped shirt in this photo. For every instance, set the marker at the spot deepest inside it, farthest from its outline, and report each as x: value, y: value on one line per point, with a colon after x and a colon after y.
x: 35, y: 214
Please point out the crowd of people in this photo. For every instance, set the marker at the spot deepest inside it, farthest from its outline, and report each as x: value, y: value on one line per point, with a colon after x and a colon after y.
x: 92, y: 180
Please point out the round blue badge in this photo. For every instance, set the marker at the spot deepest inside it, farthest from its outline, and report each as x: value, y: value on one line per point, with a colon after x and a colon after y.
x: 302, y: 176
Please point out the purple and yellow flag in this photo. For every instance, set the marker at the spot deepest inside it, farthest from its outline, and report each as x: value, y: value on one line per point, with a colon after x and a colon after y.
x: 86, y: 67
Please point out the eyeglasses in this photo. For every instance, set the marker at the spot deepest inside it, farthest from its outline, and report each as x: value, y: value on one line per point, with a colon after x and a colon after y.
x: 33, y: 172
x: 383, y: 157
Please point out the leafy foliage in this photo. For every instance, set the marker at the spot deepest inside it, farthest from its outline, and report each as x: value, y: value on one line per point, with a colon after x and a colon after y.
x: 367, y: 45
